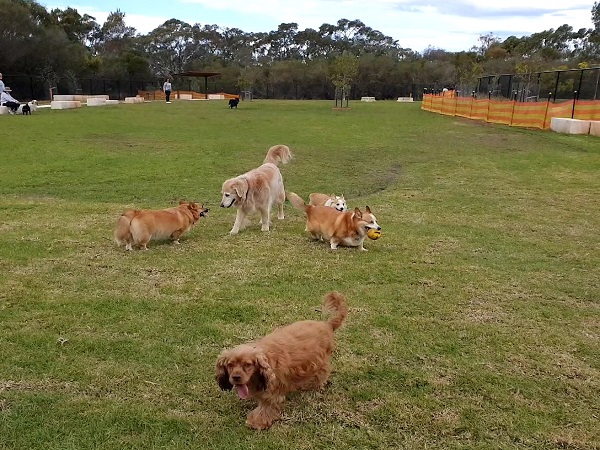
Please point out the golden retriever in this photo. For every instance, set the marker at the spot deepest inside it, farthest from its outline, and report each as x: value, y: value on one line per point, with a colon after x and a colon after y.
x: 335, y: 201
x: 257, y: 190
x: 135, y: 227
x: 339, y: 228
x: 292, y: 358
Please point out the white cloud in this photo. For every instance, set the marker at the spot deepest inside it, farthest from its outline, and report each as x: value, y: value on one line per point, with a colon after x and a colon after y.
x: 451, y: 25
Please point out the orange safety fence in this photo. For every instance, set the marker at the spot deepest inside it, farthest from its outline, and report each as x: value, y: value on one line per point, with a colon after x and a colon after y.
x: 508, y: 112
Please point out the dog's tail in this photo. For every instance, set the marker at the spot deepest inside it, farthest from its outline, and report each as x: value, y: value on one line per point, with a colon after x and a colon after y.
x: 123, y: 229
x: 278, y: 154
x: 297, y: 201
x: 336, y: 302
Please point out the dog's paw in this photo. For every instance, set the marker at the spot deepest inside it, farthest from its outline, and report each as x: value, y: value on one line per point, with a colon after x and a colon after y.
x: 258, y: 422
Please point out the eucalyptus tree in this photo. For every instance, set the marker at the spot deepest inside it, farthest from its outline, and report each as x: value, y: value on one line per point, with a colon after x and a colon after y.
x: 170, y: 47
x: 343, y: 70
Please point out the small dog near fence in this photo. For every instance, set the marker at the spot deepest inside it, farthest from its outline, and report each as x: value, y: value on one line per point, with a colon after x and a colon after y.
x: 233, y: 103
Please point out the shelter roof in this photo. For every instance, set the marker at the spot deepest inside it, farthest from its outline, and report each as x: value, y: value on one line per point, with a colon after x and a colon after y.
x: 195, y: 73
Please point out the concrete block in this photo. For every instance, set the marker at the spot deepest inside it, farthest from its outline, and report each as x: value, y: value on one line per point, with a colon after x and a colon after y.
x: 185, y: 96
x: 112, y: 102
x: 570, y: 126
x: 367, y: 99
x: 595, y: 127
x: 64, y: 104
x: 405, y: 99
x: 216, y: 96
x: 64, y: 98
x: 4, y: 110
x: 96, y: 102
x: 134, y: 99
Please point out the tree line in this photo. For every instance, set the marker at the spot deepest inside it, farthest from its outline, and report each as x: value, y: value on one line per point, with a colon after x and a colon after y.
x: 63, y: 46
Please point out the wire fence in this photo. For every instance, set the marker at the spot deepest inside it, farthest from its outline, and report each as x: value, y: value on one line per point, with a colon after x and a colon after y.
x: 558, y: 85
x: 29, y: 87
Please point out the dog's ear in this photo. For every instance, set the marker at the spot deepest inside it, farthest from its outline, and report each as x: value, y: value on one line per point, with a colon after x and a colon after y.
x: 221, y: 374
x: 368, y: 210
x: 182, y: 202
x: 357, y: 213
x: 241, y: 188
x: 265, y: 376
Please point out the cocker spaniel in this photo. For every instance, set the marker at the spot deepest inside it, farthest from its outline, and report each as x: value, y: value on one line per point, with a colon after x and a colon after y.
x: 295, y: 357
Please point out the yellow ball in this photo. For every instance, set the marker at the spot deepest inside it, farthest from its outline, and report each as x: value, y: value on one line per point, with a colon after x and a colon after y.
x: 374, y: 234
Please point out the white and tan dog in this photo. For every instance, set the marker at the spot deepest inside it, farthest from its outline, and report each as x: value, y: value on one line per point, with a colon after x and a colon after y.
x: 33, y: 106
x: 347, y: 229
x: 257, y: 190
x: 335, y: 201
x: 135, y: 227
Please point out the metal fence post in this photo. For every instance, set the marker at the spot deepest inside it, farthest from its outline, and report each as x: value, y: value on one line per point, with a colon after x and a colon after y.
x: 512, y: 112
x: 574, y: 101
x: 546, y: 112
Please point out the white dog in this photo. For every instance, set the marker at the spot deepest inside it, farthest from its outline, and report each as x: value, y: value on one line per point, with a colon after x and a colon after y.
x: 257, y: 190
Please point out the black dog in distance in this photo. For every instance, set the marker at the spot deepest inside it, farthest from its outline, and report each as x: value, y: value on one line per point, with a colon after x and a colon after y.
x: 26, y: 110
x: 233, y: 103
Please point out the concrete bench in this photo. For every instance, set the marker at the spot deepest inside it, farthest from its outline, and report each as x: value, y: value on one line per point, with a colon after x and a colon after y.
x: 367, y: 99
x: 65, y: 104
x: 216, y: 97
x: 134, y: 99
x: 595, y: 127
x: 185, y: 96
x: 96, y: 101
x: 77, y: 98
x: 405, y: 99
x: 570, y: 126
x: 64, y: 98
x: 4, y: 110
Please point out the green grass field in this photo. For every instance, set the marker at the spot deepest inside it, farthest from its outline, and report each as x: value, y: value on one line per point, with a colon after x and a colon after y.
x: 474, y: 321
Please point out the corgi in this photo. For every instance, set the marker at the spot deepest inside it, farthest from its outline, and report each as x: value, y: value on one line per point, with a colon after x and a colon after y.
x: 335, y: 201
x: 136, y: 227
x: 347, y: 228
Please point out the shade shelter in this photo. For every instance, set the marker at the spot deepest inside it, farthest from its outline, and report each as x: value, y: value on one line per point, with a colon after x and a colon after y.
x: 198, y: 74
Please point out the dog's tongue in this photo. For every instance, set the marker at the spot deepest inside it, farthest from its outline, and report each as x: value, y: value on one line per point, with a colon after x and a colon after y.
x: 242, y: 391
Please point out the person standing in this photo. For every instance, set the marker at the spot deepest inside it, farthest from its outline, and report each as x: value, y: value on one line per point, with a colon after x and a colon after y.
x: 167, y: 89
x: 1, y: 84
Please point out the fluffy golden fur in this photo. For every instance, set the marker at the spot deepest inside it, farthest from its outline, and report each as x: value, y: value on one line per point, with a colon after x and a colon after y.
x: 257, y: 190
x: 334, y: 201
x: 292, y: 358
x: 339, y: 228
x: 136, y: 227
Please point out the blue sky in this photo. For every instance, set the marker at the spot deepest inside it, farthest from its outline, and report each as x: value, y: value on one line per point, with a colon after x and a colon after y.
x: 416, y: 24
